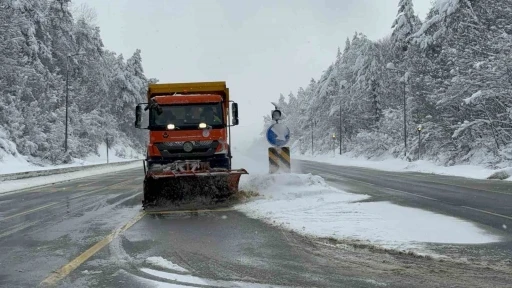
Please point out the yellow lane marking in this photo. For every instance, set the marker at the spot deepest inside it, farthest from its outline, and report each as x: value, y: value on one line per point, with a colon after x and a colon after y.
x: 64, y: 271
x: 487, y: 212
x: 55, y: 203
x: 189, y: 211
x: 30, y: 211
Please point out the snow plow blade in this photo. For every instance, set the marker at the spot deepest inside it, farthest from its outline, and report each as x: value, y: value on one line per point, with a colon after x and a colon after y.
x: 189, y: 189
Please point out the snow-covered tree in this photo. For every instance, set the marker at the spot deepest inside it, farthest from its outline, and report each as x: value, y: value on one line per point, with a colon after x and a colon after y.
x: 457, y: 85
x: 405, y: 24
x: 37, y: 38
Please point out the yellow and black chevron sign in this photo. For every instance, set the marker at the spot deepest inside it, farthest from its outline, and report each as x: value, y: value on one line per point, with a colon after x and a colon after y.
x: 279, y: 159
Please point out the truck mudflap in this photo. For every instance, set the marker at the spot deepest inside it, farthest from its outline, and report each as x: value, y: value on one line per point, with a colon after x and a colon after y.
x: 189, y: 184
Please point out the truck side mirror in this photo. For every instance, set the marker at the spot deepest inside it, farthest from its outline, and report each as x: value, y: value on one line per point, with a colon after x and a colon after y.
x: 234, y: 112
x: 138, y: 116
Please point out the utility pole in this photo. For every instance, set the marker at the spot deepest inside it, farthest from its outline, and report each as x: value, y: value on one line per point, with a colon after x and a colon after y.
x: 312, y: 139
x: 405, y: 121
x: 391, y: 66
x: 420, y: 128
x: 107, y: 148
x: 340, y: 127
x: 67, y: 99
x: 313, y: 124
x: 340, y: 132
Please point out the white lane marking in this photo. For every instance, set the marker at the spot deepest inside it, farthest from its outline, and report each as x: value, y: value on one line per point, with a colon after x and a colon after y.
x: 391, y: 189
x: 64, y: 201
x: 429, y: 198
x: 18, y: 228
x: 487, y: 212
x: 426, y: 197
x: 370, y: 184
x: 426, y: 174
x: 29, y: 211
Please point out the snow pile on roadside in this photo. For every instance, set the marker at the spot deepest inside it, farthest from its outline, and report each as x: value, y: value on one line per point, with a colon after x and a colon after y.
x: 161, y: 262
x: 13, y: 162
x: 306, y: 204
x: 8, y: 186
x: 10, y: 160
x: 399, y: 165
x: 117, y: 153
x: 502, y: 174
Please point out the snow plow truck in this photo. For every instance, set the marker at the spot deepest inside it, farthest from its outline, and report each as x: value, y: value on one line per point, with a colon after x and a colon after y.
x: 189, y: 150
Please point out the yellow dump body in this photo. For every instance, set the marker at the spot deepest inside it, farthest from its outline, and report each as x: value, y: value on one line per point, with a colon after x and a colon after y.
x: 193, y: 88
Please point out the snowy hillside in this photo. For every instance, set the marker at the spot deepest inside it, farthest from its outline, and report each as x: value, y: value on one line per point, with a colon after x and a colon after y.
x: 455, y: 69
x: 42, y: 44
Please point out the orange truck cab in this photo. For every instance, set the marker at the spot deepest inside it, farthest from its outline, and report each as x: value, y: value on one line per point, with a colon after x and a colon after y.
x: 188, y: 121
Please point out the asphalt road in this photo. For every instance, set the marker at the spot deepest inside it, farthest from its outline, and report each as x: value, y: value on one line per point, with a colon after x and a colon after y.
x: 92, y: 233
x: 486, y: 203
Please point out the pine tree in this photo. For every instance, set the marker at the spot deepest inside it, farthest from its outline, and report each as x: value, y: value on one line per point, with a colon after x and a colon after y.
x: 36, y: 39
x: 405, y: 24
x: 458, y: 86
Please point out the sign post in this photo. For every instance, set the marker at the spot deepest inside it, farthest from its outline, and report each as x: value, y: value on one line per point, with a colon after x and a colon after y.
x: 278, y: 136
x: 334, y: 144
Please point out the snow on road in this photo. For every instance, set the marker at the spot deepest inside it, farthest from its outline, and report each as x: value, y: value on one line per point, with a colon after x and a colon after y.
x: 184, y: 278
x: 306, y: 204
x: 399, y: 165
x: 161, y: 262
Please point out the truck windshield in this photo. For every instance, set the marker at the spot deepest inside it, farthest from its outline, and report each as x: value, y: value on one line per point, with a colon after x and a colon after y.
x: 188, y: 116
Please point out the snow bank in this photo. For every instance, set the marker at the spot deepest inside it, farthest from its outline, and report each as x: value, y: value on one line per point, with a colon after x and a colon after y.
x: 306, y: 204
x: 161, y: 262
x: 399, y: 165
x: 502, y: 174
x: 117, y: 153
x: 13, y: 162
x: 10, y: 160
x: 13, y: 186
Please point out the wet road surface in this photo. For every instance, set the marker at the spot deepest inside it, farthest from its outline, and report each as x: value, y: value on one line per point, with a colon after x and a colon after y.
x: 487, y: 202
x: 92, y: 232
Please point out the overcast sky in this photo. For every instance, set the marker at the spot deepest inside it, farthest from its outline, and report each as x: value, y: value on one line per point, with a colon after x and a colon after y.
x: 260, y: 48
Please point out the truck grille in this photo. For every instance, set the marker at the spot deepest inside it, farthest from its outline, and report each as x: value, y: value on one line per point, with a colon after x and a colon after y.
x: 171, y: 148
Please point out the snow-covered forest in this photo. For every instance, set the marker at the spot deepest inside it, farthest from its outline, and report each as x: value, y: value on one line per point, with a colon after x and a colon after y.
x: 42, y: 40
x: 456, y: 69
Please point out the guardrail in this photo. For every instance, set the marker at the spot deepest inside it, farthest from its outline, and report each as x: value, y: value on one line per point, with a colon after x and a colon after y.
x: 31, y: 174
